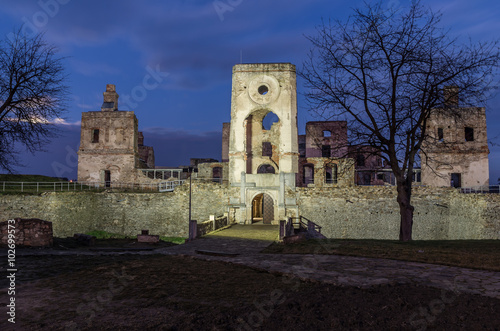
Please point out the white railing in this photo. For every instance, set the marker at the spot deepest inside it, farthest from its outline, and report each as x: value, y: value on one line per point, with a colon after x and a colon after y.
x: 481, y: 189
x: 169, y: 186
x: 36, y: 187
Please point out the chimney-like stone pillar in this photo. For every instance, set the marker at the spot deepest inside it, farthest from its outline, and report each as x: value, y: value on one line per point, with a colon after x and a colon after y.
x: 110, y: 99
x: 450, y: 94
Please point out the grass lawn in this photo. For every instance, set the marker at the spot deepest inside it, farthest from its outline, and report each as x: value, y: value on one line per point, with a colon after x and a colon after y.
x: 477, y: 254
x: 29, y: 178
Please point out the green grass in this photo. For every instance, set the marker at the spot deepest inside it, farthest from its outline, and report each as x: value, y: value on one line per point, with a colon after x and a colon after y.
x: 30, y: 178
x: 477, y: 254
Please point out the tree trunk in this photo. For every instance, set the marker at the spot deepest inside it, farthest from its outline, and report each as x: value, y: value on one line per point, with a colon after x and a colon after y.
x: 405, y: 210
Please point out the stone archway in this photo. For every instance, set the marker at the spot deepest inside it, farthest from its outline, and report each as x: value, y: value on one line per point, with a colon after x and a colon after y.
x: 263, y: 208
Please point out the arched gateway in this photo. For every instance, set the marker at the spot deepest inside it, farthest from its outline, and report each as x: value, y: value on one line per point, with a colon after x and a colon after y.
x: 263, y: 208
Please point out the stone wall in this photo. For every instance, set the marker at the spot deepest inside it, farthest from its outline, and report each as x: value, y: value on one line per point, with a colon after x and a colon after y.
x: 372, y: 212
x: 348, y: 212
x: 164, y: 214
x: 27, y: 232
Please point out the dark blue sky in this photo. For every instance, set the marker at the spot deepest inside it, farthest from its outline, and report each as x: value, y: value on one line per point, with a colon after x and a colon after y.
x: 191, y: 46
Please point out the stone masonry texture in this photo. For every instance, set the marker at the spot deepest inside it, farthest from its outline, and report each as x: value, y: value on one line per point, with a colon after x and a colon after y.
x: 349, y: 212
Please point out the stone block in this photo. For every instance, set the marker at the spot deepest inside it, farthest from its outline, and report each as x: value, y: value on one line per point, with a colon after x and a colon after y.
x: 147, y: 238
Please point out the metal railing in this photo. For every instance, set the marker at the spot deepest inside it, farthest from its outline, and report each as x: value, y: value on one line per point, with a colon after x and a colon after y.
x: 38, y: 187
x: 481, y: 189
x: 302, y: 223
x: 169, y: 186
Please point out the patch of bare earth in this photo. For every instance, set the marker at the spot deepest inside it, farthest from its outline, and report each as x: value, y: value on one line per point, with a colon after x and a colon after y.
x: 132, y: 292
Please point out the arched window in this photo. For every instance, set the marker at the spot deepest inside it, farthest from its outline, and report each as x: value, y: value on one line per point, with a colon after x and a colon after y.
x: 266, y: 169
x: 308, y: 174
x: 269, y: 120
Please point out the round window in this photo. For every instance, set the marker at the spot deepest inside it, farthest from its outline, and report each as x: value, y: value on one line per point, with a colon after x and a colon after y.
x: 263, y: 89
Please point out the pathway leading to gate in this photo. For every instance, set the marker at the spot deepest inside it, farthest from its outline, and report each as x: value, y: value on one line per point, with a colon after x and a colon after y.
x: 248, y: 240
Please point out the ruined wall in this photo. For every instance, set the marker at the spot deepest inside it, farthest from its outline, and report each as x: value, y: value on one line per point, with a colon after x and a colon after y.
x: 336, y: 138
x: 372, y: 212
x: 115, y: 148
x: 448, y: 149
x: 347, y: 212
x: 27, y: 232
x: 257, y: 90
x: 163, y: 214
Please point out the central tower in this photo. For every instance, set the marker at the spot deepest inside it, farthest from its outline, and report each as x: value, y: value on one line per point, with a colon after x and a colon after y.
x: 263, y: 148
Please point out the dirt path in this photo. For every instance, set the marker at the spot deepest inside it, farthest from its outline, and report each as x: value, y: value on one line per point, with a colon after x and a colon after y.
x: 181, y: 290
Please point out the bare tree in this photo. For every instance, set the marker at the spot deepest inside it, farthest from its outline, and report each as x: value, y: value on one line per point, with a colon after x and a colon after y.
x: 383, y: 72
x: 32, y: 95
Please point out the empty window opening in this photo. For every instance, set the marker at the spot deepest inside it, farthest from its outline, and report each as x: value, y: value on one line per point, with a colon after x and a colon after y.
x: 95, y: 135
x: 327, y: 133
x: 266, y: 169
x: 263, y: 89
x: 267, y: 149
x: 308, y: 174
x: 440, y: 134
x: 269, y: 120
x: 302, y: 149
x: 360, y: 160
x: 456, y: 180
x: 469, y: 134
x: 331, y: 172
x: 326, y: 151
x: 217, y: 174
x: 107, y: 178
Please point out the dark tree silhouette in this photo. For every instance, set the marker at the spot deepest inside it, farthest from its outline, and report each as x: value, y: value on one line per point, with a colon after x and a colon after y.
x: 384, y: 72
x: 32, y: 95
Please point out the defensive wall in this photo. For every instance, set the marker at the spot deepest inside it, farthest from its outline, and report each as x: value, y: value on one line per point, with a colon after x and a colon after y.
x: 372, y: 212
x: 350, y: 212
x: 164, y: 214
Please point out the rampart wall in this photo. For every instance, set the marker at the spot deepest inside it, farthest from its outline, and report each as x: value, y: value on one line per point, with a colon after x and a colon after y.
x: 372, y: 212
x: 350, y: 212
x: 164, y: 214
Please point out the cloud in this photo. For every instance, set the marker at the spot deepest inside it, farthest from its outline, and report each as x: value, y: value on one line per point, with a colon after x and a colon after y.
x: 92, y: 69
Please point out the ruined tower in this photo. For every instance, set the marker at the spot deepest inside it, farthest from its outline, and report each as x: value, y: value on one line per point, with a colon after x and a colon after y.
x: 456, y: 152
x: 263, y: 147
x: 109, y: 149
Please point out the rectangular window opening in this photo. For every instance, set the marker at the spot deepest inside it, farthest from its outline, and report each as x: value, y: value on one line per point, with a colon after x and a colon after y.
x: 267, y: 149
x: 456, y: 180
x: 440, y: 134
x: 469, y: 134
x: 95, y: 135
x: 326, y: 151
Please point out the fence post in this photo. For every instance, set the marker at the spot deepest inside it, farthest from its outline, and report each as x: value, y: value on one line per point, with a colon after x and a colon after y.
x: 22, y: 187
x: 37, y: 183
x: 282, y: 229
x: 310, y: 227
x: 193, y: 229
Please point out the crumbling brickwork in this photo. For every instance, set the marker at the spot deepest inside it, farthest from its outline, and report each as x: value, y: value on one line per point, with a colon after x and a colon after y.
x: 456, y: 151
x: 109, y: 145
x: 28, y: 232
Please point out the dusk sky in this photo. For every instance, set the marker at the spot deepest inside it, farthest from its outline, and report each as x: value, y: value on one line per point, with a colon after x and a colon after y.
x: 190, y: 47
